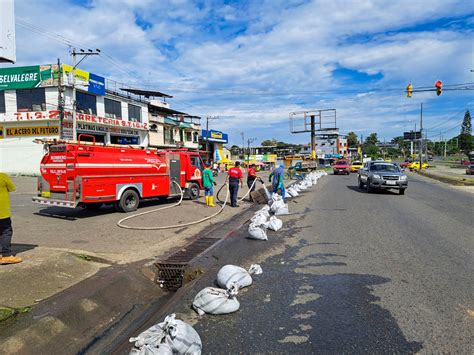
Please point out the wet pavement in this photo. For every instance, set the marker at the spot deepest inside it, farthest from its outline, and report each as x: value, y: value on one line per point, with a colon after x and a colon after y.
x: 351, y: 272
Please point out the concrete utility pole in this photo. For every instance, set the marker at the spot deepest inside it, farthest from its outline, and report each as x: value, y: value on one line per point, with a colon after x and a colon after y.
x: 84, y: 55
x: 250, y: 140
x: 313, y: 137
x: 421, y: 135
x: 243, y: 145
x: 60, y: 100
x: 207, y: 133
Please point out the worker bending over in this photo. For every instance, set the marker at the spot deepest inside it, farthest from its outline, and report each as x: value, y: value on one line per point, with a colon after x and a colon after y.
x: 276, y: 178
x: 235, y: 179
x: 251, y: 178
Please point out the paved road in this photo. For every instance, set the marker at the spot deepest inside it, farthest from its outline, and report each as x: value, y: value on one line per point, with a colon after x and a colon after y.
x: 353, y: 272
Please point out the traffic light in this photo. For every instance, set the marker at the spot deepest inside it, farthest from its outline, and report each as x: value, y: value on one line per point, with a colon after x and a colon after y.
x: 439, y: 87
x: 409, y: 90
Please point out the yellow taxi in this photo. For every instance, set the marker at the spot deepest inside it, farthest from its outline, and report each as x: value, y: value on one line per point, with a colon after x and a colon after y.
x: 356, y: 165
x: 416, y: 165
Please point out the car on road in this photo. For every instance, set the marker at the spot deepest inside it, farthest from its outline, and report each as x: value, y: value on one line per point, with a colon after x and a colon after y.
x: 470, y: 170
x: 382, y: 175
x: 341, y: 167
x: 416, y: 165
x: 356, y: 166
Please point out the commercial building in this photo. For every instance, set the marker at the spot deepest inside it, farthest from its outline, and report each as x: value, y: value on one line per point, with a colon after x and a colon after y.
x: 330, y: 144
x: 106, y: 112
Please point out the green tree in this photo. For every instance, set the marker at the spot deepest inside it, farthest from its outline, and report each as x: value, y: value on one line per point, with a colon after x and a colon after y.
x: 465, y: 138
x: 235, y: 150
x: 372, y: 139
x: 269, y: 142
x: 371, y: 150
x: 352, y: 140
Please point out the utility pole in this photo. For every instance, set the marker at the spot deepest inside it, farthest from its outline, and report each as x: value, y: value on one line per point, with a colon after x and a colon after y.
x: 84, y: 55
x: 243, y: 145
x: 421, y: 135
x: 313, y: 137
x: 444, y: 148
x: 60, y: 100
x: 207, y: 133
x: 250, y: 140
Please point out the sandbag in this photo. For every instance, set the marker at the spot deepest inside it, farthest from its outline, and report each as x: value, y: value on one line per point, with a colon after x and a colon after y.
x: 257, y: 231
x: 214, y: 300
x: 282, y: 210
x: 292, y: 192
x: 173, y: 336
x: 229, y: 274
x: 276, y: 205
x: 260, y: 218
x: 274, y: 223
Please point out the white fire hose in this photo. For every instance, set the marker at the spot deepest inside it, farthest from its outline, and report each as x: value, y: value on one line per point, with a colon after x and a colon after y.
x: 121, y: 225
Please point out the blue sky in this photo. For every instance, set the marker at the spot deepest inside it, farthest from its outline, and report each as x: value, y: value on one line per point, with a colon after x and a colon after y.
x: 253, y: 62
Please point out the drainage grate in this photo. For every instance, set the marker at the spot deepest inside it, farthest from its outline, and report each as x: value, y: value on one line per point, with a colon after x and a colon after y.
x: 171, y: 271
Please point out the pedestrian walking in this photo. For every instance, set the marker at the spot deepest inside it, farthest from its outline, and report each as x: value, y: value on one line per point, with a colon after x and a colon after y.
x: 235, y: 179
x: 276, y: 178
x: 6, y: 230
x: 208, y: 183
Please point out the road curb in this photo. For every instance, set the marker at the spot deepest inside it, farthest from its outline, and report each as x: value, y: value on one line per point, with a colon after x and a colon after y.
x: 446, y: 179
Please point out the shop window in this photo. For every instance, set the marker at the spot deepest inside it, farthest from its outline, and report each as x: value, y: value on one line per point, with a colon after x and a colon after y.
x: 86, y: 103
x: 31, y: 100
x: 134, y: 113
x: 189, y: 136
x: 113, y: 108
x: 2, y: 102
x: 123, y: 140
x: 99, y: 138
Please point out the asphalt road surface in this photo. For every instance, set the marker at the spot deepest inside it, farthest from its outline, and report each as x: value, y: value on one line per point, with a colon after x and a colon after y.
x: 352, y: 272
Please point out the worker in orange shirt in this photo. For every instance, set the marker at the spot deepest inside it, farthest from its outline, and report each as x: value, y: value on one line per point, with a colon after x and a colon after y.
x: 6, y: 231
x: 251, y: 178
x: 235, y: 179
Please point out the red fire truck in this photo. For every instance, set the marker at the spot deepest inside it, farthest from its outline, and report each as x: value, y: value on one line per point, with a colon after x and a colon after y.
x: 89, y: 175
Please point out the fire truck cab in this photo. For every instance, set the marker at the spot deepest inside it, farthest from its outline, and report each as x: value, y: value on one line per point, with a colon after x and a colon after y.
x: 89, y: 175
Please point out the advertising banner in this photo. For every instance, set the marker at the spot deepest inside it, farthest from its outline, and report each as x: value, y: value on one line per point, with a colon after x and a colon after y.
x: 20, y: 78
x: 85, y: 81
x: 215, y: 136
x: 7, y: 31
x: 32, y: 131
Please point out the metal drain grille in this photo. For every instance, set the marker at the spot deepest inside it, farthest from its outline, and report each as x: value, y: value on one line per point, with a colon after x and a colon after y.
x: 171, y: 271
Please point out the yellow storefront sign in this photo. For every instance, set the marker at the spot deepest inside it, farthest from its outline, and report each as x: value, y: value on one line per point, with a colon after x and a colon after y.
x: 32, y: 131
x: 216, y: 135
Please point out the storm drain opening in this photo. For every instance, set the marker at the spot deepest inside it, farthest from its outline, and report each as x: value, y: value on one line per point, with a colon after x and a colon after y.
x: 171, y: 271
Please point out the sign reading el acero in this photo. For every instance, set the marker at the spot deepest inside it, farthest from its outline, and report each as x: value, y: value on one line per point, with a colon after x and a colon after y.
x: 54, y: 115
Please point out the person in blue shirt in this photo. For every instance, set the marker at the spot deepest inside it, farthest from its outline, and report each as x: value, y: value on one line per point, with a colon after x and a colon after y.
x: 276, y: 178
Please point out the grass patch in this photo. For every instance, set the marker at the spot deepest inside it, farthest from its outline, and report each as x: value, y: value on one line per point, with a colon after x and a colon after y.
x: 8, y: 312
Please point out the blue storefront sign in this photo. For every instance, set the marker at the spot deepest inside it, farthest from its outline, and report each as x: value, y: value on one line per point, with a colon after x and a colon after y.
x: 96, y: 85
x: 215, y: 136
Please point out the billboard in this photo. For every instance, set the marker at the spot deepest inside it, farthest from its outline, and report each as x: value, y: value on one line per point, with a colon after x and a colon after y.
x: 215, y: 136
x: 85, y: 81
x: 7, y: 32
x: 47, y: 75
x: 411, y: 135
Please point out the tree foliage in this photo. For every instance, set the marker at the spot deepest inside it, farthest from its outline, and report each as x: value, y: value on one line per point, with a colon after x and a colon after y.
x: 465, y: 138
x: 352, y: 140
x: 372, y: 139
x: 269, y: 142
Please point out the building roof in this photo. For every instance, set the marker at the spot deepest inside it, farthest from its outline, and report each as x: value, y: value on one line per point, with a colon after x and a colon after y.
x: 165, y: 110
x: 146, y: 93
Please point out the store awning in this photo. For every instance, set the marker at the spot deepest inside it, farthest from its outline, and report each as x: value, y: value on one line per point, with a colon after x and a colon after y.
x: 164, y: 111
x: 170, y: 121
x: 184, y: 125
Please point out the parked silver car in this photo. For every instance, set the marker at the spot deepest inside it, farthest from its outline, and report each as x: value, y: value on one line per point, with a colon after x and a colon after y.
x: 382, y: 175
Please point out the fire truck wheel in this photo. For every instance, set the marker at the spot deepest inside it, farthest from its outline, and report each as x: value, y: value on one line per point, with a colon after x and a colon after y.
x: 129, y: 201
x: 192, y: 192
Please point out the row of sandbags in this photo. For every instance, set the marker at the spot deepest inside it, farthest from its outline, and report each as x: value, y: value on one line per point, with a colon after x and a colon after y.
x: 231, y: 279
x: 173, y: 336
x: 308, y: 181
x: 263, y: 218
